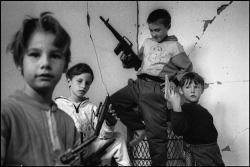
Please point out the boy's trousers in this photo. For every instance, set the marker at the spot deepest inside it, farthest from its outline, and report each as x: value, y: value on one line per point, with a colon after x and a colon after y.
x: 146, y: 94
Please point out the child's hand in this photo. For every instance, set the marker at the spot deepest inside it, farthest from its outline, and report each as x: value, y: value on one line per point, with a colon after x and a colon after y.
x: 162, y: 86
x: 125, y: 58
x: 111, y: 117
x: 175, y: 100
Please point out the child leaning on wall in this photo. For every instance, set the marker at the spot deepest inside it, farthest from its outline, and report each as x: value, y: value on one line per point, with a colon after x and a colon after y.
x: 195, y: 123
x: 160, y: 55
x: 34, y: 131
x: 84, y: 114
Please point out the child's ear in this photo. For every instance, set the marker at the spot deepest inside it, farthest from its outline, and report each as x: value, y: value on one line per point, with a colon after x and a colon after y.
x: 69, y: 82
x: 65, y: 69
x: 180, y: 90
x: 19, y: 68
x: 169, y: 26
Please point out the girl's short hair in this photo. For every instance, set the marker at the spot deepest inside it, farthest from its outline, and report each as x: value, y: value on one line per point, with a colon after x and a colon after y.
x: 160, y: 14
x: 190, y: 77
x: 79, y: 69
x: 45, y: 23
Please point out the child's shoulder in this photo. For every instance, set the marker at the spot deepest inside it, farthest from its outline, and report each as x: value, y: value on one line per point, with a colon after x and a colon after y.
x: 61, y: 99
x: 13, y: 104
x: 12, y: 100
x: 9, y: 105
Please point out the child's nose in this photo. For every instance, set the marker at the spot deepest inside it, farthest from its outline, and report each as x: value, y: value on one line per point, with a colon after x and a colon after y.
x: 45, y: 61
x: 83, y: 85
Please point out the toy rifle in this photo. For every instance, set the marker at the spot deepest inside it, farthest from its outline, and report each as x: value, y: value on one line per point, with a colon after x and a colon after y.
x: 132, y: 60
x: 71, y: 155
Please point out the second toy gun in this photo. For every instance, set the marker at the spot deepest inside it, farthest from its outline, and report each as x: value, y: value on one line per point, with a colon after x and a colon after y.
x: 124, y: 45
x: 73, y: 154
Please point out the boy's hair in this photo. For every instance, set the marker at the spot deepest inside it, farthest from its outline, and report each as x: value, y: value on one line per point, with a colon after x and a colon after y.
x: 79, y: 69
x: 45, y: 23
x: 190, y: 77
x: 160, y: 14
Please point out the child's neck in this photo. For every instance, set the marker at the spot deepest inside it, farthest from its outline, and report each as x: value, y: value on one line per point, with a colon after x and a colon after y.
x: 42, y: 97
x: 76, y: 100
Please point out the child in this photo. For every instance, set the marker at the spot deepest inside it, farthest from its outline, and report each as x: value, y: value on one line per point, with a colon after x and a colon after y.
x: 33, y: 130
x: 83, y: 112
x: 195, y: 123
x: 160, y: 55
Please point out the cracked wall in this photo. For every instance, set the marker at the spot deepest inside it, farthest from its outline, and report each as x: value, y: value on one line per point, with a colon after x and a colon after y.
x: 214, y: 34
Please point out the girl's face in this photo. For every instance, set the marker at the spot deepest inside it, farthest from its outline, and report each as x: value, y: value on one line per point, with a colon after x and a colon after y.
x: 158, y: 31
x: 43, y: 63
x: 79, y: 85
x: 192, y: 92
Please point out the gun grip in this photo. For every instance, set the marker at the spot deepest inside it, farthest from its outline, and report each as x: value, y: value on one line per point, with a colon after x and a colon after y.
x: 118, y: 49
x: 110, y: 119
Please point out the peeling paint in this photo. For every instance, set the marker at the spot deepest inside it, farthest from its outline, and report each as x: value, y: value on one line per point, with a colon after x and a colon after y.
x: 227, y: 148
x: 220, y: 83
x: 207, y: 22
x: 222, y: 7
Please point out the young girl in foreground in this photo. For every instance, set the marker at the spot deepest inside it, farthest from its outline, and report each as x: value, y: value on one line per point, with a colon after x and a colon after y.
x: 34, y: 132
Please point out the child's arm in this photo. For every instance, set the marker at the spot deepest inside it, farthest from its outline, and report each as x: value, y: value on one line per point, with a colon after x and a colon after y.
x: 175, y: 100
x: 129, y: 61
x: 178, y: 120
x: 182, y: 62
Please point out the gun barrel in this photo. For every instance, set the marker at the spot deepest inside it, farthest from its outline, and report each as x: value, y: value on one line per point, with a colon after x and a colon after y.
x: 115, y: 33
x: 102, y: 19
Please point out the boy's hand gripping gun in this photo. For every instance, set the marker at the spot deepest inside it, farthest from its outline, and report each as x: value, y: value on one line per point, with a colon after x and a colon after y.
x: 70, y: 156
x: 132, y: 60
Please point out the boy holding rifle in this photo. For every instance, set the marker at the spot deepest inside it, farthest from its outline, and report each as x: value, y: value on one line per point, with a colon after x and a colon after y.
x: 161, y: 55
x: 85, y: 116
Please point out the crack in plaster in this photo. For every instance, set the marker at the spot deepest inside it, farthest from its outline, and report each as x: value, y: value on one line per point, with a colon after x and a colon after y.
x: 227, y: 148
x: 207, y: 22
x: 88, y: 22
x: 137, y: 27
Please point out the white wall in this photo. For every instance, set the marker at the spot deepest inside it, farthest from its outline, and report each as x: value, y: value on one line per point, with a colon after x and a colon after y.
x: 220, y: 54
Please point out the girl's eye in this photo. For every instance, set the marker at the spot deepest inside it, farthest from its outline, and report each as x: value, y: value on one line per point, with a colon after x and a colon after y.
x: 197, y: 87
x: 56, y: 56
x: 34, y: 54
